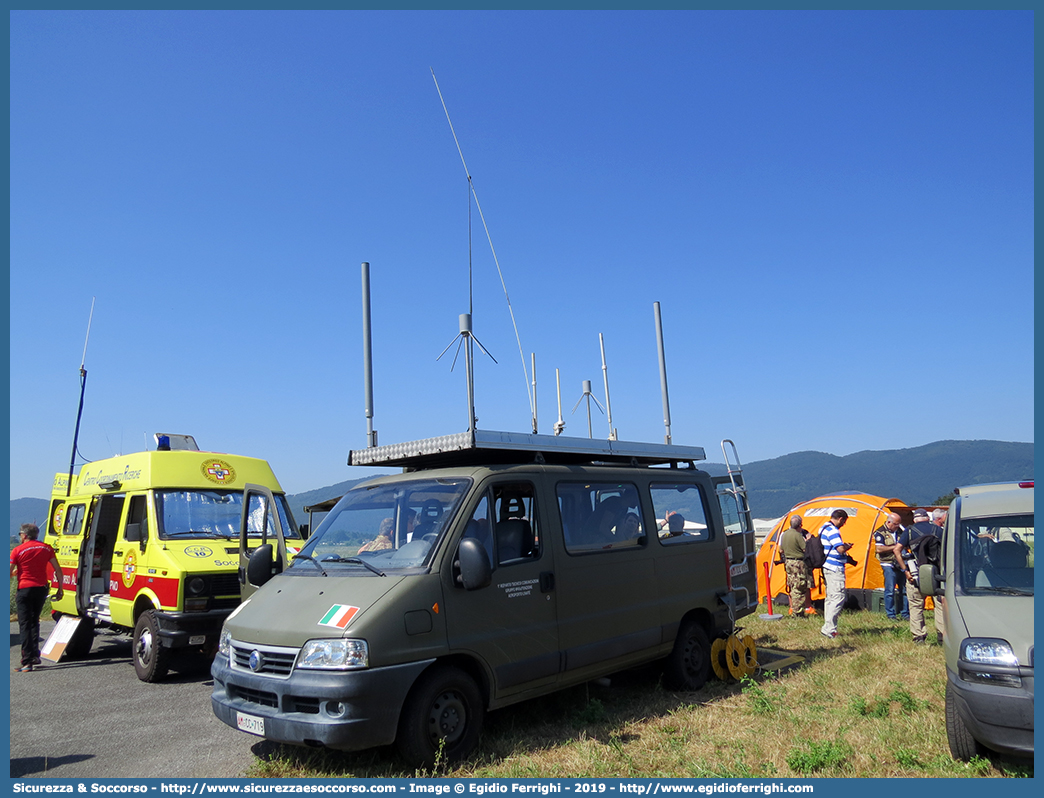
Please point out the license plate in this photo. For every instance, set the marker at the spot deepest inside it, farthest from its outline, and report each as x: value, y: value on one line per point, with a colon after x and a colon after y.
x: 738, y: 569
x: 250, y: 724
x: 197, y: 640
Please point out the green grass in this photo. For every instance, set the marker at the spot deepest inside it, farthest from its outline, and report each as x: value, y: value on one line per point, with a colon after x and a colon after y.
x: 866, y: 704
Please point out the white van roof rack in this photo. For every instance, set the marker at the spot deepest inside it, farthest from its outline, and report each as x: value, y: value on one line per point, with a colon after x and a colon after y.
x: 484, y: 447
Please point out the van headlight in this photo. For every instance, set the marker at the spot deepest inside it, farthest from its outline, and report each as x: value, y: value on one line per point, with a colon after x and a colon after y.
x: 224, y: 643
x: 988, y: 651
x: 990, y: 661
x: 335, y: 654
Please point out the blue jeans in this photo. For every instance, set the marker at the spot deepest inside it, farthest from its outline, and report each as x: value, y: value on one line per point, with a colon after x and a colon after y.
x: 892, y: 579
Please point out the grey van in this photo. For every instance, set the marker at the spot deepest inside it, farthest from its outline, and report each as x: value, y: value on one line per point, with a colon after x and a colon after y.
x: 986, y: 594
x: 497, y: 567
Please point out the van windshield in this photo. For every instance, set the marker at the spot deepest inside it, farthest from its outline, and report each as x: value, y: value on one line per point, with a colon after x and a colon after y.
x: 996, y: 555
x: 190, y: 514
x: 389, y: 526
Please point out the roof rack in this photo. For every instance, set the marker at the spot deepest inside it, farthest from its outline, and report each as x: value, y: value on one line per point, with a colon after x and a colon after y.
x: 484, y: 447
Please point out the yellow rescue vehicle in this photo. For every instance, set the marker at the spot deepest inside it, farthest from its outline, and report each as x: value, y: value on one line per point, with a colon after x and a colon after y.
x: 149, y: 543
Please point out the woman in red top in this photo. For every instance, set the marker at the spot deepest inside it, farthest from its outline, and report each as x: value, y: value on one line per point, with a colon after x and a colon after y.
x: 29, y: 560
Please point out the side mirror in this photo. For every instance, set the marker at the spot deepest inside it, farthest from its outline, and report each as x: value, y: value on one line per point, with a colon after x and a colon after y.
x: 928, y: 580
x: 303, y: 529
x: 475, y: 570
x: 260, y: 566
x: 133, y: 533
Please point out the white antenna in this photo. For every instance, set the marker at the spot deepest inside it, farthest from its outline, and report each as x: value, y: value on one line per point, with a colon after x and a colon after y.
x: 560, y: 424
x: 471, y: 185
x: 605, y: 376
x: 589, y: 396
x: 536, y: 427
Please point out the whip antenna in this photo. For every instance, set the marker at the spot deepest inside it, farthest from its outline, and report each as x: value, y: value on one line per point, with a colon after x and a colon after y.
x: 79, y: 412
x: 489, y: 238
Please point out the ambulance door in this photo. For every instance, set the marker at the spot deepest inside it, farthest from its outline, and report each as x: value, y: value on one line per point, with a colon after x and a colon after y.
x: 260, y: 530
x: 100, y: 532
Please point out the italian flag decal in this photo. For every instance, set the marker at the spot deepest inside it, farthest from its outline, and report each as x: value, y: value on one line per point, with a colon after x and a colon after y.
x: 339, y: 616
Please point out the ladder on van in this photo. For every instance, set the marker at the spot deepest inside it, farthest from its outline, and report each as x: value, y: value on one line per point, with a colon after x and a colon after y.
x: 737, y: 490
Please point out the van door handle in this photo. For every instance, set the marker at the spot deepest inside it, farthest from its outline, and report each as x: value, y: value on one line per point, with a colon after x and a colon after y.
x: 547, y: 582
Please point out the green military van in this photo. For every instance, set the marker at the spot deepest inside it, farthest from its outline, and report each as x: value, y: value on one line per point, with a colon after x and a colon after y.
x: 985, y: 592
x: 497, y: 567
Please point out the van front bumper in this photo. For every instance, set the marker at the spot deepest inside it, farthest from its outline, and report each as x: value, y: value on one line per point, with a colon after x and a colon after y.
x: 1000, y: 718
x: 344, y: 710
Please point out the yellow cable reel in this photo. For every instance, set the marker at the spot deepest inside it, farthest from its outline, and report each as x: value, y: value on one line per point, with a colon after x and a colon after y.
x: 719, y: 660
x: 741, y: 656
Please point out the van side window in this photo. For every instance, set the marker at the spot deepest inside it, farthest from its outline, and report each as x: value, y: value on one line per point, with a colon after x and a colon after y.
x: 515, y: 532
x: 478, y: 526
x: 138, y: 513
x: 681, y: 514
x: 600, y: 516
x: 74, y: 520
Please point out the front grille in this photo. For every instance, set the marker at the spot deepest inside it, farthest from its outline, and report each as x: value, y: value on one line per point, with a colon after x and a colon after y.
x: 224, y: 604
x: 309, y: 706
x: 274, y: 661
x: 224, y: 584
x: 261, y: 697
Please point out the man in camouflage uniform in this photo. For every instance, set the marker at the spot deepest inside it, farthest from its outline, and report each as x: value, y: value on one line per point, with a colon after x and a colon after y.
x: 799, y: 580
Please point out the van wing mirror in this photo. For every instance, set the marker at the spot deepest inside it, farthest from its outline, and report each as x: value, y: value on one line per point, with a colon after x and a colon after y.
x: 133, y: 533
x: 473, y: 562
x: 928, y: 580
x: 261, y: 567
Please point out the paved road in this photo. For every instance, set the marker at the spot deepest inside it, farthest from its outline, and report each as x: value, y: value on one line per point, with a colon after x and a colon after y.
x: 94, y: 719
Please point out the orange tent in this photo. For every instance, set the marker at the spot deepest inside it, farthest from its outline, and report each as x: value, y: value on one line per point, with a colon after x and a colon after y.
x: 866, y: 513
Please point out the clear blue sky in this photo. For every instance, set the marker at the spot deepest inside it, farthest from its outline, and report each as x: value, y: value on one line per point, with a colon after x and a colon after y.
x: 834, y: 209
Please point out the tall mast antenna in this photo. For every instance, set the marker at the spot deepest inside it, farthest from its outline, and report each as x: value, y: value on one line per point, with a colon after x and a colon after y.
x: 489, y: 238
x: 79, y: 411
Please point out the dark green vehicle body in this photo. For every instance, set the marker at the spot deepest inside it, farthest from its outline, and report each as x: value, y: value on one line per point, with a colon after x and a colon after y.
x: 549, y: 606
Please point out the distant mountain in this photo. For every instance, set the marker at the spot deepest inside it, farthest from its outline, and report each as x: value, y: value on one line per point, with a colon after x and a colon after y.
x: 917, y: 476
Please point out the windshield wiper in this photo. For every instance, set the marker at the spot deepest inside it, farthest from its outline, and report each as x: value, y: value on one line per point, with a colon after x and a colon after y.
x: 312, y: 560
x: 358, y: 560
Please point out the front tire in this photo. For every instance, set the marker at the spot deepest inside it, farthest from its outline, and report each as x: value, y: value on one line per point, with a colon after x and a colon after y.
x: 689, y: 664
x: 151, y: 660
x: 962, y: 745
x: 441, y: 719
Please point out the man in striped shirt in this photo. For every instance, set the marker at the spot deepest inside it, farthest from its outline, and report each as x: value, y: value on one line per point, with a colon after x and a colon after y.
x: 833, y: 570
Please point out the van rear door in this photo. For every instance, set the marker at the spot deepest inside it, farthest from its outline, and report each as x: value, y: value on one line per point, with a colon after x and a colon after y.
x: 739, y: 535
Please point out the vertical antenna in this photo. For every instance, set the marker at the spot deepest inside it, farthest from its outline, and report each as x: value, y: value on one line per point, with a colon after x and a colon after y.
x: 489, y: 238
x: 79, y: 411
x: 466, y: 337
x: 560, y: 424
x: 605, y: 377
x: 536, y: 427
x: 371, y: 434
x: 663, y: 373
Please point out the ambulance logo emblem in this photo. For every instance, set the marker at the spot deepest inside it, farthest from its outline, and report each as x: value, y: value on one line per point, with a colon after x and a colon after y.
x: 129, y: 568
x: 201, y: 552
x: 59, y: 518
x: 218, y: 471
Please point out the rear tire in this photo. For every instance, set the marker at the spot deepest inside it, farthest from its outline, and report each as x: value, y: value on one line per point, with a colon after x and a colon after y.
x: 689, y: 664
x: 962, y: 745
x: 441, y: 719
x: 151, y: 660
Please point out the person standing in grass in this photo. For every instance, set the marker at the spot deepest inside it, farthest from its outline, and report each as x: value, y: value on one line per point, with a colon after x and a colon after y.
x: 833, y: 570
x: 799, y: 580
x: 29, y: 561
x: 885, y: 538
x: 904, y: 552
